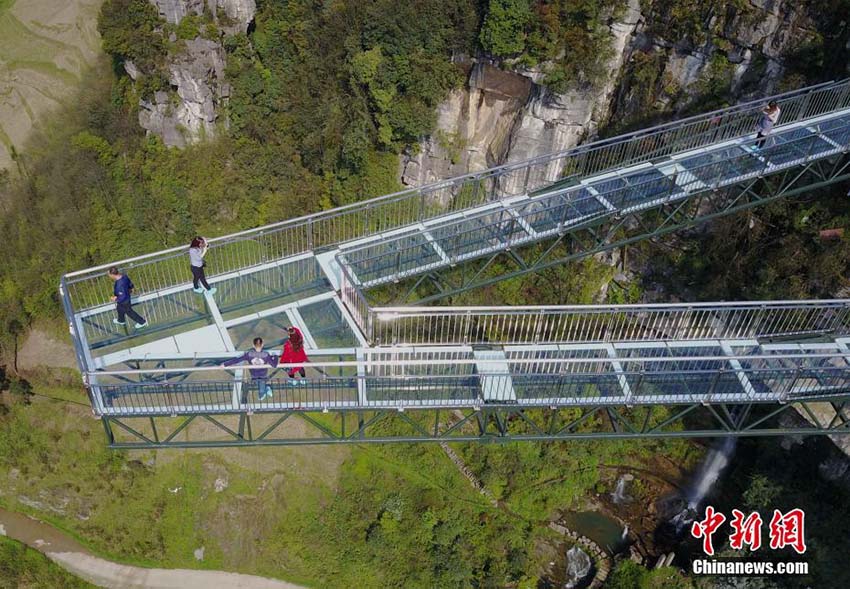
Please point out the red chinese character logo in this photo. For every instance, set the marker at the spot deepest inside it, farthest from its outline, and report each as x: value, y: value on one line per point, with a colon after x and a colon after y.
x: 706, y: 528
x: 745, y: 531
x: 788, y: 530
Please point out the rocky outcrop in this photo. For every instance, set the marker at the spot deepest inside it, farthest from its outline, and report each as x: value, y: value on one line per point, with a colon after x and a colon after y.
x: 239, y: 13
x: 742, y: 49
x: 473, y: 126
x: 191, y: 111
x: 503, y: 117
x: 193, y: 108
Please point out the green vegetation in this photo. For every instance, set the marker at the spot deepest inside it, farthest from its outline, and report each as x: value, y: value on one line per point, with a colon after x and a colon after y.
x: 24, y: 568
x: 571, y: 36
x: 327, y: 516
x: 746, y: 256
x: 628, y: 575
x: 503, y: 32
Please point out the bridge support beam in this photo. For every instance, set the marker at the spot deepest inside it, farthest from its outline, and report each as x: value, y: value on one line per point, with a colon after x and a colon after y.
x: 502, y: 423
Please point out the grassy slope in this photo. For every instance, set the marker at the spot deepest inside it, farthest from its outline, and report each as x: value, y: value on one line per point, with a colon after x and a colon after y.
x: 326, y: 516
x: 24, y: 568
x: 44, y: 49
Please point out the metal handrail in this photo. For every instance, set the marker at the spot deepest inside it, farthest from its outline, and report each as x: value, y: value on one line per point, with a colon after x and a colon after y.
x: 270, y: 243
x: 408, y: 362
x: 607, y: 323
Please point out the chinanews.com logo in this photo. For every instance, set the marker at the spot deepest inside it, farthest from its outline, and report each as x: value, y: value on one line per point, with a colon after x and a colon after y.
x: 786, y: 530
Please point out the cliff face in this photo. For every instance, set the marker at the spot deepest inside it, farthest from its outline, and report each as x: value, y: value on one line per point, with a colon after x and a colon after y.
x: 502, y: 117
x: 240, y: 12
x: 193, y: 108
x: 657, y: 65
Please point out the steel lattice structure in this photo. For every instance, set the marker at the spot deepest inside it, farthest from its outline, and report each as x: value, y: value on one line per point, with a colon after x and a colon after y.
x: 408, y: 373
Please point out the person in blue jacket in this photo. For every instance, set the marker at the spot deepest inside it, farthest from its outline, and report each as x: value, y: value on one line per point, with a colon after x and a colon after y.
x: 122, y: 289
x: 257, y: 356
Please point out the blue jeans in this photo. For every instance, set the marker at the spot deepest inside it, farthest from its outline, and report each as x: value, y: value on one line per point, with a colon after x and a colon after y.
x: 261, y: 383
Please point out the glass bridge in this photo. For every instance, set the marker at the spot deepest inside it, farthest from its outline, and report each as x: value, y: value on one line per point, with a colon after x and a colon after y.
x: 416, y: 373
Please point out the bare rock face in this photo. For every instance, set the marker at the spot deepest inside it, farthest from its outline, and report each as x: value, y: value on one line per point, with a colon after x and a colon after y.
x: 191, y: 113
x: 192, y: 110
x: 489, y: 123
x: 503, y: 117
x: 240, y: 11
x: 474, y: 126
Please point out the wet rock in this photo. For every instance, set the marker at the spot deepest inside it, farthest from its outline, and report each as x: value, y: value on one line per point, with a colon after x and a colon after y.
x: 578, y: 566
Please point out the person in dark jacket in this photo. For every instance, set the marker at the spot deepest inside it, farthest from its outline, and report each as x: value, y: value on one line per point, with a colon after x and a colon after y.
x: 293, y: 353
x: 122, y: 290
x: 257, y: 357
x: 197, y: 250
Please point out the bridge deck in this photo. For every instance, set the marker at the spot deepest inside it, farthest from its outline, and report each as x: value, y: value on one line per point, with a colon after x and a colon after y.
x: 709, y: 371
x: 312, y: 272
x: 275, y: 293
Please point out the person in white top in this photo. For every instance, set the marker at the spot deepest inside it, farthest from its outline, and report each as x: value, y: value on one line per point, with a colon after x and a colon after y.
x: 768, y: 118
x: 197, y: 250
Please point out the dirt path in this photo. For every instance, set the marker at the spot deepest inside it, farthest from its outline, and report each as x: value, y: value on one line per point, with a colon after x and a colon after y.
x: 76, y: 559
x: 40, y: 348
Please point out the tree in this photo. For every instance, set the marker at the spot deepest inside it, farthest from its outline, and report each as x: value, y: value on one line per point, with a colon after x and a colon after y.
x: 503, y: 32
x: 761, y: 492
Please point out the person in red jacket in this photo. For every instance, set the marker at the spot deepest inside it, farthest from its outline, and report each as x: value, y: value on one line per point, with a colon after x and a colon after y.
x: 293, y: 353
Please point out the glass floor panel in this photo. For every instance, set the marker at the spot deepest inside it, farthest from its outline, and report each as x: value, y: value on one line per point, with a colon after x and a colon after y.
x: 603, y: 187
x: 392, y: 257
x: 724, y: 164
x: 583, y: 203
x: 573, y: 386
x: 837, y: 129
x: 544, y: 214
x: 166, y: 316
x: 478, y: 233
x: 271, y: 287
x: 328, y: 327
x: 794, y: 145
x: 431, y: 390
x: 271, y: 328
x: 647, y: 191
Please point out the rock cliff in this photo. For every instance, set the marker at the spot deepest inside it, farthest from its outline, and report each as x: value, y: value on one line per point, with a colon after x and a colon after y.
x: 657, y: 65
x: 502, y: 117
x: 192, y: 109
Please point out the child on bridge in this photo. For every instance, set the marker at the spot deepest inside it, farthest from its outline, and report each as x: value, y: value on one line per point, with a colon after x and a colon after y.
x: 293, y: 353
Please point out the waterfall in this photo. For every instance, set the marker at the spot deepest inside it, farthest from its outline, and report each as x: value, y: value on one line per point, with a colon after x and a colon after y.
x: 619, y: 495
x: 625, y: 533
x: 709, y: 471
x: 578, y: 566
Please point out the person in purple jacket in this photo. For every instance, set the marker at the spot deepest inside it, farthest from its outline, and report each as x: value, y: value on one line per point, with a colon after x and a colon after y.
x: 257, y: 357
x: 121, y: 290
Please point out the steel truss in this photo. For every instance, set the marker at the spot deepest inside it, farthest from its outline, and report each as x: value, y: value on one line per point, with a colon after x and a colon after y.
x: 588, y: 239
x: 827, y: 416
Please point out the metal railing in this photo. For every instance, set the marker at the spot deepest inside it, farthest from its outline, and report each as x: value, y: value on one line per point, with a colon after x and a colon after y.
x: 161, y: 271
x: 426, y: 383
x: 550, y: 214
x: 607, y: 323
